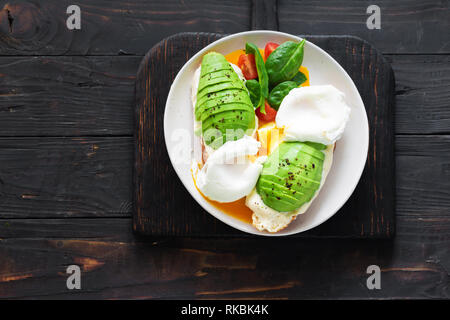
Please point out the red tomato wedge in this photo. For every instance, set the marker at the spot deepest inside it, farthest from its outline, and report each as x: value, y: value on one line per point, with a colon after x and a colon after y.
x: 270, y: 46
x: 270, y: 113
x: 247, y: 64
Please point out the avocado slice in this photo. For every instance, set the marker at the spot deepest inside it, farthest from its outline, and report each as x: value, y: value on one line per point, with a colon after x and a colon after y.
x: 228, y: 116
x: 223, y: 102
x: 291, y: 175
x: 209, y: 89
x: 220, y: 103
x: 216, y: 78
x: 220, y: 94
x: 275, y: 200
x: 236, y: 108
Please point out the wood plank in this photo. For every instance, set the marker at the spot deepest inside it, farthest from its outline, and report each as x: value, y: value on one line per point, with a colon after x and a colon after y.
x: 407, y: 26
x: 112, y: 27
x: 108, y: 229
x: 422, y: 93
x: 70, y: 177
x: 423, y: 175
x: 94, y: 96
x: 79, y: 96
x: 33, y: 264
x: 91, y: 177
x: 264, y: 15
x: 66, y: 96
x: 132, y: 27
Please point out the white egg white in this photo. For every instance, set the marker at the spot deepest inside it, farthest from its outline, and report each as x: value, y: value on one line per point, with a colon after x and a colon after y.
x: 229, y: 174
x: 313, y: 113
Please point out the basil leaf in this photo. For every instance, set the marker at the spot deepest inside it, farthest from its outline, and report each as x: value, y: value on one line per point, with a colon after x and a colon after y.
x: 284, y: 62
x: 263, y: 77
x: 299, y: 78
x: 254, y: 89
x: 280, y: 91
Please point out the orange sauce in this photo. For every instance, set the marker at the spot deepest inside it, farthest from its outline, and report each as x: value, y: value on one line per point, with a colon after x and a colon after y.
x: 305, y: 71
x: 238, y: 209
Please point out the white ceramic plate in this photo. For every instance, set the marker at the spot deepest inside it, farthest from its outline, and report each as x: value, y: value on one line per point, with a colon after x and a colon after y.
x: 349, y: 157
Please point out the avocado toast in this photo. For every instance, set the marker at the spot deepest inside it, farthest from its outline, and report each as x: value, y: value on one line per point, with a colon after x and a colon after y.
x: 290, y: 180
x: 223, y: 105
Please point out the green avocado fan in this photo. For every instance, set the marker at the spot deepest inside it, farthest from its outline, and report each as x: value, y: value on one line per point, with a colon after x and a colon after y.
x: 223, y: 103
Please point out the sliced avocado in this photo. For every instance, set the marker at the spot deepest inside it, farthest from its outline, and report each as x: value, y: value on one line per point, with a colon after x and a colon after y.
x: 287, y: 190
x: 299, y: 184
x: 223, y: 103
x: 218, y: 74
x: 213, y: 101
x: 217, y: 77
x: 291, y: 176
x: 226, y: 116
x: 229, y: 128
x: 219, y: 94
x: 271, y: 201
x: 214, y: 66
x: 277, y: 193
x: 227, y: 99
x: 236, y: 108
x: 209, y: 89
x: 316, y: 145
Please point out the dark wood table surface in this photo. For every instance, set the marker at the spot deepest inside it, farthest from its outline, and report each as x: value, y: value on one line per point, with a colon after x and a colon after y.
x: 66, y: 156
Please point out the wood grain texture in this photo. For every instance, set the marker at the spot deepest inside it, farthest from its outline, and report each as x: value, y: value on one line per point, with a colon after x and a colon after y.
x: 407, y: 26
x: 264, y: 14
x: 91, y: 177
x: 66, y: 96
x: 163, y: 208
x: 132, y: 27
x: 70, y: 177
x: 423, y: 177
x: 111, y: 27
x: 35, y: 251
x: 115, y: 265
x: 94, y: 96
x: 422, y: 93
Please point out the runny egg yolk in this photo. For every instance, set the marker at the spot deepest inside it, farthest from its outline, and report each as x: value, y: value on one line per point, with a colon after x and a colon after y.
x: 270, y: 137
x: 236, y: 209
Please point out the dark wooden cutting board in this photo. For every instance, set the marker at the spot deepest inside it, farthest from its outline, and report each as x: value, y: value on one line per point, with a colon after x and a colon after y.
x: 163, y: 207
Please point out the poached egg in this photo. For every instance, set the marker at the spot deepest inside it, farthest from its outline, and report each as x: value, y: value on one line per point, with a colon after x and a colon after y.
x: 315, y: 113
x: 231, y: 172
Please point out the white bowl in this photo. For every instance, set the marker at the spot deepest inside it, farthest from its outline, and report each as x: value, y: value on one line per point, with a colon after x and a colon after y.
x: 349, y: 157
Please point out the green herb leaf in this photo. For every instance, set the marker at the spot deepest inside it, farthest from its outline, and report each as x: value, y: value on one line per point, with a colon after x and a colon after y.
x: 284, y: 62
x: 254, y: 89
x: 299, y: 78
x: 280, y: 91
x: 263, y: 77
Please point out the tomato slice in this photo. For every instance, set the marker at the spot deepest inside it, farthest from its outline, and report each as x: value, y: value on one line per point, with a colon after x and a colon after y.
x: 270, y: 113
x: 247, y: 64
x: 270, y: 46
